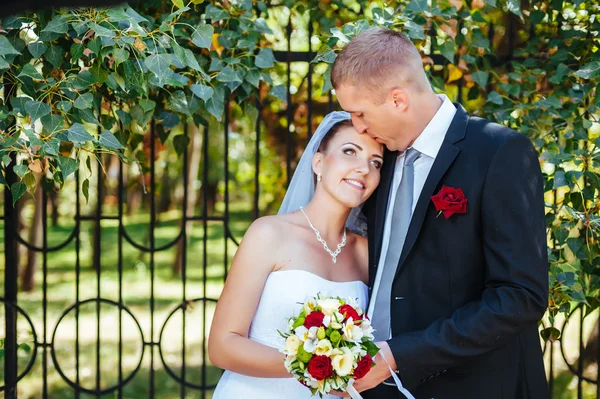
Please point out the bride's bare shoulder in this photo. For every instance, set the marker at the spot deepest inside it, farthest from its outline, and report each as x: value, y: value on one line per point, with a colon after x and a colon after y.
x: 361, y: 244
x: 271, y: 227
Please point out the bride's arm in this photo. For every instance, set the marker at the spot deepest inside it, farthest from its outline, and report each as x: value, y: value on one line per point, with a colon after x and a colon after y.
x: 229, y: 346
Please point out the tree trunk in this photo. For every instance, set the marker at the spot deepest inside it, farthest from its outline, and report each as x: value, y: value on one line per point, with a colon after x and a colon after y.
x: 53, y: 197
x: 34, y: 238
x: 193, y: 166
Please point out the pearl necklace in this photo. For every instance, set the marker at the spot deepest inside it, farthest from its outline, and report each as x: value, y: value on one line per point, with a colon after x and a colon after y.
x: 341, y: 245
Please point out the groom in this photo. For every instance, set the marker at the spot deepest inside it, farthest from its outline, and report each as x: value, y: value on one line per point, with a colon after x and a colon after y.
x: 457, y: 235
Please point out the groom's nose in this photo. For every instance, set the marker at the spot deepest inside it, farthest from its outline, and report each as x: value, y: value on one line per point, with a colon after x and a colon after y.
x: 359, y: 125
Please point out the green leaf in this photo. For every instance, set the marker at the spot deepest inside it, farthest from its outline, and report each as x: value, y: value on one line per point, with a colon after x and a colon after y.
x: 68, y: 166
x: 180, y: 142
x: 279, y: 92
x: 99, y: 74
x: 559, y: 179
x: 76, y: 52
x: 120, y: 55
x: 78, y: 134
x: 59, y: 24
x: 253, y: 77
x: 550, y: 334
x: 261, y: 26
x: 147, y: 105
x: 30, y: 182
x: 95, y: 45
x: 37, y: 49
x: 52, y: 123
x: 186, y: 56
x: 228, y: 75
x: 214, y: 13
x: 17, y: 190
x: 124, y: 117
x: 202, y: 37
x: 178, y: 102
x: 202, y: 91
x: 415, y: 31
x: 50, y: 147
x: 215, y: 107
x: 101, y: 31
x: 85, y: 189
x: 418, y: 6
x: 37, y: 109
x: 495, y: 98
x: 169, y: 119
x: 160, y: 65
x: 30, y: 71
x: 4, y: 64
x: 325, y: 54
x: 83, y: 81
x: 84, y: 101
x: 108, y: 140
x: 56, y: 56
x: 178, y: 3
x: 514, y: 6
x: 265, y: 58
x: 589, y: 71
x: 19, y: 103
x: 20, y: 170
x: 34, y: 139
x: 64, y: 106
x: 481, y: 78
x: 448, y: 49
x: 6, y: 48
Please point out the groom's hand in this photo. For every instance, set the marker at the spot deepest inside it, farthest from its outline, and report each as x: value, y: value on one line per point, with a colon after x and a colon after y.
x: 378, y: 374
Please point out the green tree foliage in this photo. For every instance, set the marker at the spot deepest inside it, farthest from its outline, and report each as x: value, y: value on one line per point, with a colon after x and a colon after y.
x: 94, y: 80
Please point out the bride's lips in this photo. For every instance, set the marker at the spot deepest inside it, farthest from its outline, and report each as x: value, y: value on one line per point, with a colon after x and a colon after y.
x: 357, y: 184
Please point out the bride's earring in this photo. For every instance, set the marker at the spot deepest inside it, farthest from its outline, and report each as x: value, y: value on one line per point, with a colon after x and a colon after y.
x: 319, y: 178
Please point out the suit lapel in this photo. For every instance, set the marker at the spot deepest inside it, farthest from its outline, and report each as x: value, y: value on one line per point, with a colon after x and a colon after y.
x: 383, y: 195
x: 377, y: 224
x: 443, y: 161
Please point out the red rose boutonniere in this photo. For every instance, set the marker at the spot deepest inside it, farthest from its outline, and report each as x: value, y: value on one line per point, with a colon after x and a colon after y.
x: 449, y: 201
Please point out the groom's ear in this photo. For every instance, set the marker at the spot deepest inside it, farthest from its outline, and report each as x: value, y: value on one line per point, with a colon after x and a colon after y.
x: 400, y: 98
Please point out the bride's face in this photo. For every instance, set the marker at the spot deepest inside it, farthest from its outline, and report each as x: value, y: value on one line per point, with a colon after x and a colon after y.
x: 350, y: 166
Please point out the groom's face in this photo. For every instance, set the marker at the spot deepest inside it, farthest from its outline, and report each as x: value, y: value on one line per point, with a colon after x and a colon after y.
x: 369, y: 117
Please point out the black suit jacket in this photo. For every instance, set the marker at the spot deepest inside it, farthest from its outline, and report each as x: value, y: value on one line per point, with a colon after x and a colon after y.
x: 469, y: 290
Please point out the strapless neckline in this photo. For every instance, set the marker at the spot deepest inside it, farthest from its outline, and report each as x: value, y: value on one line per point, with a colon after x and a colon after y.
x: 318, y: 277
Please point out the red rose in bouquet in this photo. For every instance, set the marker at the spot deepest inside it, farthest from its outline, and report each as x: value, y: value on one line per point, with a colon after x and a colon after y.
x: 348, y: 312
x: 363, y: 367
x: 314, y: 319
x: 320, y: 367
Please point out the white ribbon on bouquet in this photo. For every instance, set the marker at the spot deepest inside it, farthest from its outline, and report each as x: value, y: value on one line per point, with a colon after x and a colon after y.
x: 355, y: 395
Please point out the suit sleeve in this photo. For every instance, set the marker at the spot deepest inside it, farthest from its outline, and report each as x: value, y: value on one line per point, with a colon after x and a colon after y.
x: 516, y: 286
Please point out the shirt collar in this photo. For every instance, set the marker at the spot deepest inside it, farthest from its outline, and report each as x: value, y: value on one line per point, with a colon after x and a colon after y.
x: 430, y: 140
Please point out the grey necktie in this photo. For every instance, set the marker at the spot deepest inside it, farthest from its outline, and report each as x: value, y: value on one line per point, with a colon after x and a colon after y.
x: 399, y: 227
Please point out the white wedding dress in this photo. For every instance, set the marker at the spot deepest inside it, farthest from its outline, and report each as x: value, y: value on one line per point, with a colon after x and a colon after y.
x: 282, y: 298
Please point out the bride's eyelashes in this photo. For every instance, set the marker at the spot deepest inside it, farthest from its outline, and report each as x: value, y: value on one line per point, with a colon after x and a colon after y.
x: 352, y: 152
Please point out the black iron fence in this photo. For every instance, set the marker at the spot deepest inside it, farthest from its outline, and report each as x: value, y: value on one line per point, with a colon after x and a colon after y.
x: 100, y: 340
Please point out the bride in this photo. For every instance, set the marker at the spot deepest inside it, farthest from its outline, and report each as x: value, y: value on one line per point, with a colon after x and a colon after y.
x: 285, y: 258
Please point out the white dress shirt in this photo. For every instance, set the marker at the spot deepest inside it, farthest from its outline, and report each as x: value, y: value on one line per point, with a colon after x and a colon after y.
x: 428, y: 144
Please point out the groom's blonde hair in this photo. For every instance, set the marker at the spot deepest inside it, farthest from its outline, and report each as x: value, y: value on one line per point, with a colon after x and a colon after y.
x: 379, y: 59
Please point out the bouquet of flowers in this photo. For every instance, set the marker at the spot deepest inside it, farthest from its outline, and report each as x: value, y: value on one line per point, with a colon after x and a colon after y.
x: 329, y: 344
